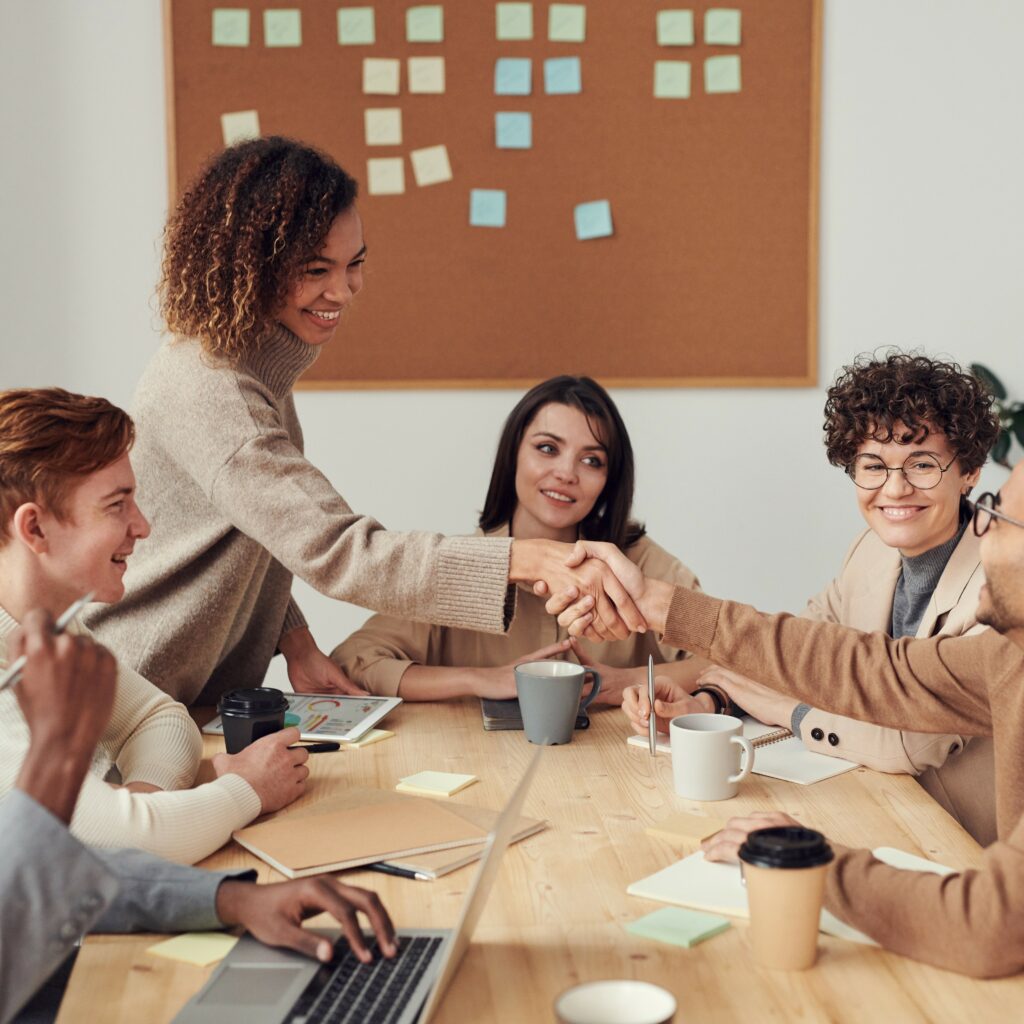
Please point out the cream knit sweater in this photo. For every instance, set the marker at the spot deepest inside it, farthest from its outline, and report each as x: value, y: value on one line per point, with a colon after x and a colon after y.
x: 150, y: 738
x: 236, y: 509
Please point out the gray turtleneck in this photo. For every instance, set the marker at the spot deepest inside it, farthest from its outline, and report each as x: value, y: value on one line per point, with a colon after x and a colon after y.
x: 917, y: 582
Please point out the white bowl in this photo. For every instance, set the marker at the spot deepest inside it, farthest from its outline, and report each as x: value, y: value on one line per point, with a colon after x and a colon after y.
x: 616, y: 1002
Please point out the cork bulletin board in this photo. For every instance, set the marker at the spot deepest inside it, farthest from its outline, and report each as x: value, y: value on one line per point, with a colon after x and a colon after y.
x: 709, y: 274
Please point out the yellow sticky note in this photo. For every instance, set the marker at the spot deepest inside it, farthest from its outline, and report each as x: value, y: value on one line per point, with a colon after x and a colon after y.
x: 385, y: 176
x: 513, y: 21
x: 239, y: 125
x: 430, y: 166
x: 426, y: 75
x: 376, y: 735
x: 685, y: 829
x: 435, y: 783
x: 383, y: 126
x: 199, y: 948
x: 381, y: 76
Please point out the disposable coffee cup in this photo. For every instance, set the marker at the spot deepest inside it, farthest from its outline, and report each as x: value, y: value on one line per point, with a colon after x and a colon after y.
x: 784, y: 871
x: 248, y: 715
x: 616, y: 1002
x: 549, y: 698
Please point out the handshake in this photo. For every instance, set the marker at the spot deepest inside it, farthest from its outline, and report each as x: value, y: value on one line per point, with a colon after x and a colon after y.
x: 593, y: 588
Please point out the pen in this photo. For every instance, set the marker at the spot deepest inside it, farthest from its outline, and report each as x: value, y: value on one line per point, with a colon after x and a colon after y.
x: 317, y: 748
x: 652, y: 721
x: 13, y: 673
x: 389, y: 869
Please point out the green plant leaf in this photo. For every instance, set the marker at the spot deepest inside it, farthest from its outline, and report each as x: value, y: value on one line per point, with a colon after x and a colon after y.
x: 989, y: 379
x: 1000, y: 448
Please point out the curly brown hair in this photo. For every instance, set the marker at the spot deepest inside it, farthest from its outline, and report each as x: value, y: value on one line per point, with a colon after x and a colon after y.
x: 240, y: 236
x: 872, y: 395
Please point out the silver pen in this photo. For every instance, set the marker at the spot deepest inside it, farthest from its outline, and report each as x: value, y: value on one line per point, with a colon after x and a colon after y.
x: 13, y: 673
x: 652, y: 721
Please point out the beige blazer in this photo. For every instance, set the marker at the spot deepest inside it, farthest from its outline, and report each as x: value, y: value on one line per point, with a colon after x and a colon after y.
x: 958, y: 773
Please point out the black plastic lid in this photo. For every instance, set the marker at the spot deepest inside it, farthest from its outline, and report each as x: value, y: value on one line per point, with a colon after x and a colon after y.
x: 257, y: 701
x: 788, y: 846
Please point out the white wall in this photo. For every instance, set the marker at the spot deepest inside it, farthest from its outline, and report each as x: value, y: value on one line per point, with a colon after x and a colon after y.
x: 922, y: 245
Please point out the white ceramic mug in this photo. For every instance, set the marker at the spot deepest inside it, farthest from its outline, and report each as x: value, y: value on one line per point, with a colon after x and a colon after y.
x: 706, y: 756
x: 616, y: 1002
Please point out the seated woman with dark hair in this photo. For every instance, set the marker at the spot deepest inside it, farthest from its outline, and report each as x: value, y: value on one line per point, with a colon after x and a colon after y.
x: 563, y: 470
x: 912, y: 434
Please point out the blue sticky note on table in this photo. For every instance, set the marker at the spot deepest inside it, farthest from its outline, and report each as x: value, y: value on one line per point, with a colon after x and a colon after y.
x: 562, y: 76
x: 722, y: 74
x: 513, y: 76
x: 678, y: 927
x: 593, y: 220
x: 513, y: 130
x: 487, y: 207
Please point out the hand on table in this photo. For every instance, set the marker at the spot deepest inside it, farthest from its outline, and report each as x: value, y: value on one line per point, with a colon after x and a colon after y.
x: 276, y: 773
x: 670, y: 699
x: 725, y: 845
x: 500, y: 683
x: 274, y: 914
x: 756, y: 699
x: 310, y: 670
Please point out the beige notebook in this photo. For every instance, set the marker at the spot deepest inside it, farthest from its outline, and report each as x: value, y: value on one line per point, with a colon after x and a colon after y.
x: 357, y: 827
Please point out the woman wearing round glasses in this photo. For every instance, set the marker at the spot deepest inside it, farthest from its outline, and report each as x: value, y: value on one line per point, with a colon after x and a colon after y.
x: 912, y: 434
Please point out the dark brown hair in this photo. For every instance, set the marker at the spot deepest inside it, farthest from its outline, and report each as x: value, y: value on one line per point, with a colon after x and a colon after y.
x: 240, y: 235
x: 50, y: 439
x: 872, y: 395
x: 609, y: 518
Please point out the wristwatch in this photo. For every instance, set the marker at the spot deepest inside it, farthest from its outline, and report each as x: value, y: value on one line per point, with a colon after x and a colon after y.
x: 722, y: 700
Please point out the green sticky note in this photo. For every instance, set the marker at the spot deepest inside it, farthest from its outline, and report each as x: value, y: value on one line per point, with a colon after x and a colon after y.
x: 672, y: 79
x: 282, y: 26
x: 514, y: 21
x: 424, y: 24
x: 230, y: 26
x: 722, y: 74
x: 722, y: 26
x: 356, y: 26
x: 678, y: 927
x: 675, y: 28
x: 567, y: 23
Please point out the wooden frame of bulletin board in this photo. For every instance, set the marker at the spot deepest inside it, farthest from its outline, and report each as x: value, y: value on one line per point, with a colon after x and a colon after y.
x: 709, y: 277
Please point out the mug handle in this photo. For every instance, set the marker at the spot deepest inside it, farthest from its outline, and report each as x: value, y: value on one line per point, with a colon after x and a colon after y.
x: 595, y: 689
x: 748, y: 761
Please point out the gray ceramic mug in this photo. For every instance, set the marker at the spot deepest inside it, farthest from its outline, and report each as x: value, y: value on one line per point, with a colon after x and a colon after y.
x: 549, y: 698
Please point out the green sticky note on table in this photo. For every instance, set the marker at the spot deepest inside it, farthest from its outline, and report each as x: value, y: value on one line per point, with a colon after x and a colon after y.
x: 675, y: 28
x: 672, y: 79
x: 567, y: 23
x: 282, y: 26
x: 722, y: 26
x: 424, y: 24
x: 678, y: 927
x: 230, y: 26
x: 514, y: 21
x: 356, y: 26
x: 722, y: 74
x: 199, y: 948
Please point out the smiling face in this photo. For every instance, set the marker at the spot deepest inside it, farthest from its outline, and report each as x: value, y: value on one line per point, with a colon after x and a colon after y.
x: 561, y: 470
x: 1001, y: 604
x: 328, y: 283
x: 904, y: 517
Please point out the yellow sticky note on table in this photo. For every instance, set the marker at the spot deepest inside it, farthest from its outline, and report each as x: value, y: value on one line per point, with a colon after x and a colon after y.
x: 376, y: 735
x: 686, y: 829
x: 430, y: 165
x: 381, y: 76
x: 383, y: 126
x: 385, y: 176
x: 435, y: 783
x: 426, y: 75
x: 567, y: 23
x: 239, y: 125
x: 199, y: 948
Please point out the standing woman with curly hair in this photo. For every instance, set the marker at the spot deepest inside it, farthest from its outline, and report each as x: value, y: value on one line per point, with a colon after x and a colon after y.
x: 262, y: 256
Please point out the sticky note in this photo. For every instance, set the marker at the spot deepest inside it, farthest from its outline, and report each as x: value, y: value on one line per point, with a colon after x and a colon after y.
x: 426, y: 75
x: 375, y: 735
x: 430, y: 165
x: 385, y: 176
x: 567, y: 23
x: 675, y: 28
x: 722, y: 74
x: 690, y: 829
x: 513, y: 21
x: 513, y: 76
x: 383, y: 126
x: 487, y: 207
x: 282, y: 26
x: 593, y: 220
x: 435, y: 783
x: 381, y: 76
x: 199, y: 948
x: 513, y: 130
x: 239, y: 125
x: 356, y: 26
x: 722, y: 26
x: 562, y: 76
x: 672, y: 79
x: 678, y: 927
x: 425, y: 24
x: 230, y: 26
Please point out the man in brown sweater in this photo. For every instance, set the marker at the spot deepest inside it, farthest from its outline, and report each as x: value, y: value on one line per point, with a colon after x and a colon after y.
x: 973, y: 921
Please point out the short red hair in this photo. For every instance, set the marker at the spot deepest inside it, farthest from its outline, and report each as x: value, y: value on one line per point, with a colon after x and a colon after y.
x: 49, y: 440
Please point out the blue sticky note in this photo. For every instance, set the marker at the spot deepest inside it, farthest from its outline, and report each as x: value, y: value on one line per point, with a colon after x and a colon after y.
x: 513, y: 130
x: 562, y: 76
x: 487, y: 207
x: 593, y: 220
x: 513, y: 76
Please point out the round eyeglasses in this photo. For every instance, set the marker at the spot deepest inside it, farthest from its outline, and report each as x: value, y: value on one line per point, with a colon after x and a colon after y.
x: 986, y: 508
x: 921, y: 470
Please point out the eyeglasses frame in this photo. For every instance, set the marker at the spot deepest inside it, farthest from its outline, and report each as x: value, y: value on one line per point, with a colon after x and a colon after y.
x: 900, y: 469
x: 992, y: 511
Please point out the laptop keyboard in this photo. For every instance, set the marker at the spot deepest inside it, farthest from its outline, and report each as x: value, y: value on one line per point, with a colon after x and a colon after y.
x: 346, y: 991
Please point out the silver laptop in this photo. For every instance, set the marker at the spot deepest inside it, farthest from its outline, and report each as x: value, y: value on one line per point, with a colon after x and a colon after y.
x: 256, y: 984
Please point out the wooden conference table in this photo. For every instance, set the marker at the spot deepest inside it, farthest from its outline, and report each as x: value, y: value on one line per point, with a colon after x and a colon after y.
x: 556, y: 915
